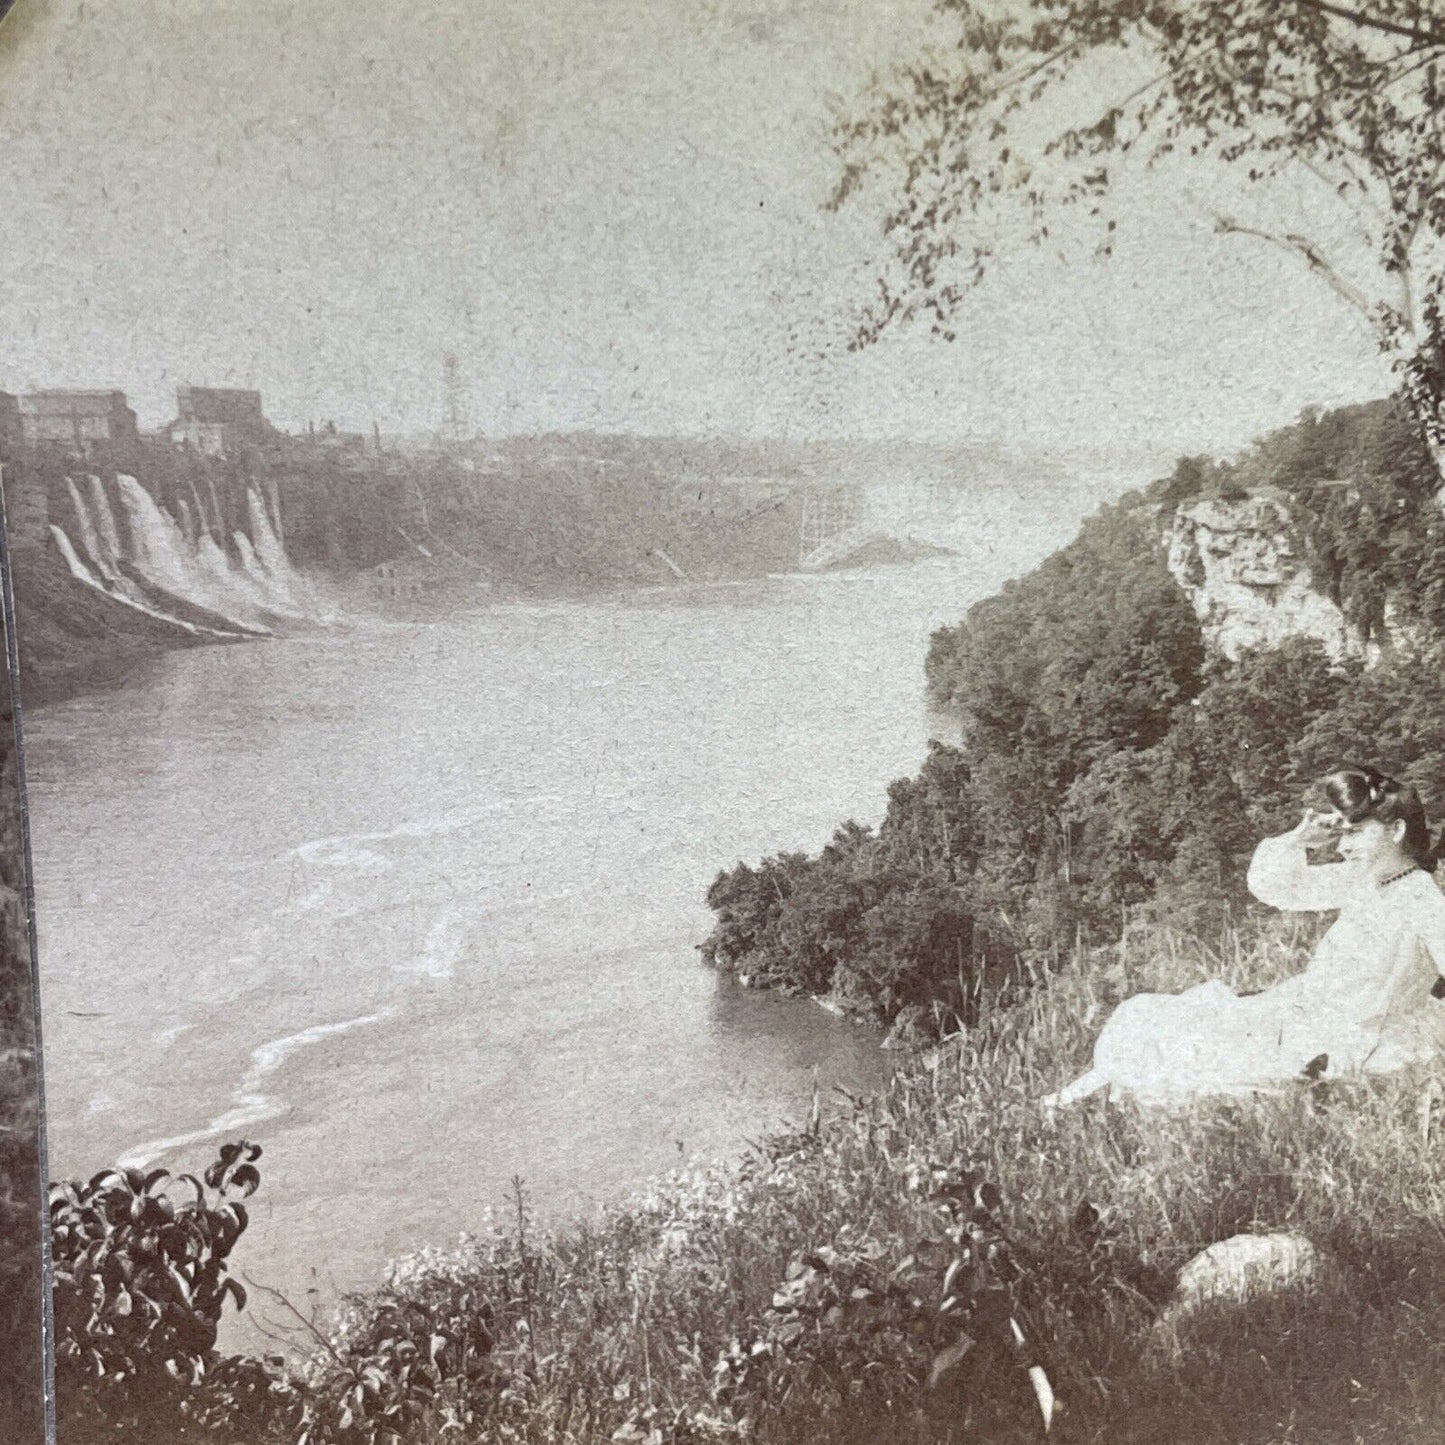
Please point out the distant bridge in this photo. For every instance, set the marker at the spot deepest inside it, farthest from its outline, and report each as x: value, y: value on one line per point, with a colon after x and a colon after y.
x: 835, y: 521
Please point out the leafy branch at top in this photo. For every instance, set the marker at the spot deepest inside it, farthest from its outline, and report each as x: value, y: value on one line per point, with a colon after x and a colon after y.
x: 1020, y: 115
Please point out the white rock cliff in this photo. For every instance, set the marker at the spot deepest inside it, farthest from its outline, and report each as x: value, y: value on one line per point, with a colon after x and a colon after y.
x: 1242, y: 565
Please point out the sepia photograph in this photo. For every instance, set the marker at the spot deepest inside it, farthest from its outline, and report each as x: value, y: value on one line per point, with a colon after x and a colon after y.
x: 727, y: 722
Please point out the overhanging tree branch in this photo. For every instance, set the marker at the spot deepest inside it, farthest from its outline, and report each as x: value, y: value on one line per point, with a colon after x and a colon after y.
x: 1312, y: 256
x: 1421, y: 35
x: 1350, y: 91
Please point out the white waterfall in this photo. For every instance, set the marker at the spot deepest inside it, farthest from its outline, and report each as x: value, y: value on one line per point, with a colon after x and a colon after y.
x: 246, y: 594
x: 275, y: 566
x: 96, y: 553
x: 103, y: 517
x: 78, y: 569
x: 203, y: 521
x: 277, y: 521
x: 220, y: 524
x: 250, y: 563
x: 83, y: 574
x: 172, y: 567
x: 100, y: 541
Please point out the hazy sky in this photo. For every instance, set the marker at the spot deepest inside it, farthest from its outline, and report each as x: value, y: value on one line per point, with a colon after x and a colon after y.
x: 608, y: 209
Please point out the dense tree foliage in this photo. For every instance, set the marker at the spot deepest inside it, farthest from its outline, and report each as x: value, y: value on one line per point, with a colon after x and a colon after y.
x: 1086, y: 654
x: 881, y: 919
x: 1174, y: 822
x: 1106, y: 763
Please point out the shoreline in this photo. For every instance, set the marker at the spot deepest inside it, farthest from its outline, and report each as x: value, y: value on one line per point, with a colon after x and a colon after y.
x: 433, y: 592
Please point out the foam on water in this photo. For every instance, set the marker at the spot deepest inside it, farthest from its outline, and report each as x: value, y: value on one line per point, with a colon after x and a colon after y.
x: 250, y: 1104
x: 449, y: 933
x: 443, y: 946
x: 348, y: 850
x: 342, y: 853
x: 316, y: 898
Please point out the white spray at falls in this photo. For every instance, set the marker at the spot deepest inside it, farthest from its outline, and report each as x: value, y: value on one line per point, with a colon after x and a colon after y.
x: 176, y: 568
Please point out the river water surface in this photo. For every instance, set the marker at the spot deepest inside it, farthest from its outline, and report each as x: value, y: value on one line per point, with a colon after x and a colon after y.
x: 416, y: 906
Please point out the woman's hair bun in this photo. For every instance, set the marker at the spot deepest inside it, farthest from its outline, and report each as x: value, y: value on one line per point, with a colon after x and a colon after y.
x: 1358, y: 791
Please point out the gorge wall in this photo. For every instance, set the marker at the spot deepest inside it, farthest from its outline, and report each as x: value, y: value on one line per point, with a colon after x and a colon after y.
x: 120, y: 556
x: 151, y: 546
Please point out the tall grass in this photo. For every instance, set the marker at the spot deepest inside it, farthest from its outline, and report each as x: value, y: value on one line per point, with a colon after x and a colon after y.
x: 657, y: 1322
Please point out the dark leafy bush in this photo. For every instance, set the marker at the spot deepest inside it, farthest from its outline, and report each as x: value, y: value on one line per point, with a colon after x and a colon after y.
x: 141, y: 1280
x: 424, y: 1347
x: 882, y: 920
x: 1394, y: 714
x: 1175, y: 822
x: 856, y: 1328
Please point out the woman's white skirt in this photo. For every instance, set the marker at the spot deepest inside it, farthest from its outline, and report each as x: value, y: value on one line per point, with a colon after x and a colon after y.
x: 1208, y: 1040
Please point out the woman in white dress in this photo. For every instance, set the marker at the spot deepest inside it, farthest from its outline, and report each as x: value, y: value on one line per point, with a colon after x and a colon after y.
x: 1364, y: 1005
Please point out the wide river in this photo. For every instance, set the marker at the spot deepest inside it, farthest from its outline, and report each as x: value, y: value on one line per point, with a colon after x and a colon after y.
x: 416, y: 906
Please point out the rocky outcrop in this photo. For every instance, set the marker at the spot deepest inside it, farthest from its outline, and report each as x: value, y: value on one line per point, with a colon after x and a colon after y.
x: 1243, y: 564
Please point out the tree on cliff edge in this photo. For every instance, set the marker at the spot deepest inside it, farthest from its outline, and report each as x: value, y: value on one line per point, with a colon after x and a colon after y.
x: 1028, y: 109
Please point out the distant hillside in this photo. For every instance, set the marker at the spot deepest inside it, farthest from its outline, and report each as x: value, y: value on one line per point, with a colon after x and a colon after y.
x: 841, y: 461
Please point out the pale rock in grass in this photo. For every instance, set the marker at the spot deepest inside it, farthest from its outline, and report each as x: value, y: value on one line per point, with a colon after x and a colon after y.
x: 1235, y: 1271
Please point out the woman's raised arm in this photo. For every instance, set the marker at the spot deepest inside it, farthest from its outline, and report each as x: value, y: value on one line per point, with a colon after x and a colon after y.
x: 1281, y: 874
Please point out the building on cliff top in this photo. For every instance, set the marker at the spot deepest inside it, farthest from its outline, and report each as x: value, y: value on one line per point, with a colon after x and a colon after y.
x: 215, y: 420
x: 77, y: 420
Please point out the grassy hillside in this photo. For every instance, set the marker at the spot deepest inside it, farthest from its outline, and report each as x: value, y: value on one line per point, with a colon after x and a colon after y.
x: 799, y: 1295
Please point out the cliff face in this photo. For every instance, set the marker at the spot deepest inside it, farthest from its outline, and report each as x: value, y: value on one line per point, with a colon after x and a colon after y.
x: 1243, y: 565
x: 120, y: 556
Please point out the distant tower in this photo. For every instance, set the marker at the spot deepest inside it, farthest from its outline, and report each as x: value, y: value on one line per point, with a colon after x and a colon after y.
x: 456, y: 426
